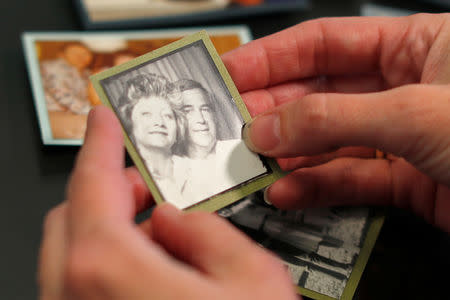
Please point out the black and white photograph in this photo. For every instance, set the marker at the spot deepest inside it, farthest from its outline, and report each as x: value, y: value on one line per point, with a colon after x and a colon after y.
x: 184, y: 124
x: 318, y: 246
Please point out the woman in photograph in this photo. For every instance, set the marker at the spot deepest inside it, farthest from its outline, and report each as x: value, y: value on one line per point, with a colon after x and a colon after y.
x: 155, y: 128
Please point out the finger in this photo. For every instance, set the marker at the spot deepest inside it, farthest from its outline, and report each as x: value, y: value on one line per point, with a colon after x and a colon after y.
x: 52, y: 254
x: 333, y: 46
x: 117, y: 264
x: 258, y: 101
x: 99, y: 190
x: 207, y: 242
x: 339, y: 182
x: 437, y: 68
x: 142, y: 196
x: 315, y: 160
x: 410, y: 122
x: 353, y: 181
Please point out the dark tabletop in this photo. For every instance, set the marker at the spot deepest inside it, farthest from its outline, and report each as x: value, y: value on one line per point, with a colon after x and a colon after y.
x: 410, y: 259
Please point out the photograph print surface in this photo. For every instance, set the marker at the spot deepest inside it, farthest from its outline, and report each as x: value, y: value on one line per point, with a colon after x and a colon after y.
x: 324, y: 249
x: 60, y: 65
x: 184, y: 124
x: 98, y: 14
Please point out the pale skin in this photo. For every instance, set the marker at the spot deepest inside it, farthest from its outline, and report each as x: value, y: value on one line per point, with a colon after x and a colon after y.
x: 347, y: 84
x: 201, y: 129
x: 92, y: 249
x: 155, y: 130
x: 353, y: 84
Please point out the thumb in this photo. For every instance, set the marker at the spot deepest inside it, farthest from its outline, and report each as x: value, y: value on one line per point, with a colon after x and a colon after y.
x: 411, y: 121
x: 208, y: 243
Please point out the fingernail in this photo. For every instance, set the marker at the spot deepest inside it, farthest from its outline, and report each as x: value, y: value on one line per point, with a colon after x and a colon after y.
x: 266, y: 196
x: 263, y: 133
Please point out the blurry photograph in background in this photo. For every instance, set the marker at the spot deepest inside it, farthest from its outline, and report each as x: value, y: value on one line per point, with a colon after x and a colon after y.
x: 377, y: 10
x: 59, y: 66
x: 324, y: 249
x: 102, y: 14
x: 399, y: 8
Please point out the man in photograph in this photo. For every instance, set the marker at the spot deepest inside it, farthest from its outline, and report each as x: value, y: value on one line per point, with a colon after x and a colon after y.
x: 216, y: 165
x: 199, y: 111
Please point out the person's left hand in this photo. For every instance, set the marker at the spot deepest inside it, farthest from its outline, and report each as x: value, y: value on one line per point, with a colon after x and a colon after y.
x: 92, y: 248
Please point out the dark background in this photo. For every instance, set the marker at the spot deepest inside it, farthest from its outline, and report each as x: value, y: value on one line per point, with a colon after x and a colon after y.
x: 410, y: 259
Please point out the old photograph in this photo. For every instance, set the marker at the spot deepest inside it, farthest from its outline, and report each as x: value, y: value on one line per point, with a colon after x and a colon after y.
x: 102, y: 14
x: 185, y: 125
x: 319, y: 246
x: 60, y: 64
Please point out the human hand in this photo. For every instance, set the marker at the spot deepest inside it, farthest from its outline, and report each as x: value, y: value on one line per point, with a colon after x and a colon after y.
x: 353, y: 84
x: 92, y: 249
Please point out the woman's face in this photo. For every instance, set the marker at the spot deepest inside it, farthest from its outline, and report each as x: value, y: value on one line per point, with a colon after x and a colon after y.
x: 154, y: 123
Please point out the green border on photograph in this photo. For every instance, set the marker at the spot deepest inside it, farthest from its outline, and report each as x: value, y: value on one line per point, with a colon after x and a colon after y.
x: 217, y: 201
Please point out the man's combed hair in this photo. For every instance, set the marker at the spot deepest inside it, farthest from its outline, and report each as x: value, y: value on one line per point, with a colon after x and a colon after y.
x: 183, y: 85
x: 188, y: 84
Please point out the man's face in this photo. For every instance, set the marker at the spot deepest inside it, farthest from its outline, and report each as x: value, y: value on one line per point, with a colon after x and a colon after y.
x: 154, y: 123
x: 201, y: 129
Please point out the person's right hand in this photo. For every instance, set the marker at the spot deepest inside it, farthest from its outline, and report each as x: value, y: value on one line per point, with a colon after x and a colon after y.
x: 380, y: 83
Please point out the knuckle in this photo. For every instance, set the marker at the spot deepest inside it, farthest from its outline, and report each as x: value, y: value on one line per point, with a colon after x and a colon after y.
x: 313, y: 113
x: 314, y: 110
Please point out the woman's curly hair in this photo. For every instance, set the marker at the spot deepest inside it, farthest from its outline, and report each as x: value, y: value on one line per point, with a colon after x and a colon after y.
x: 144, y: 86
